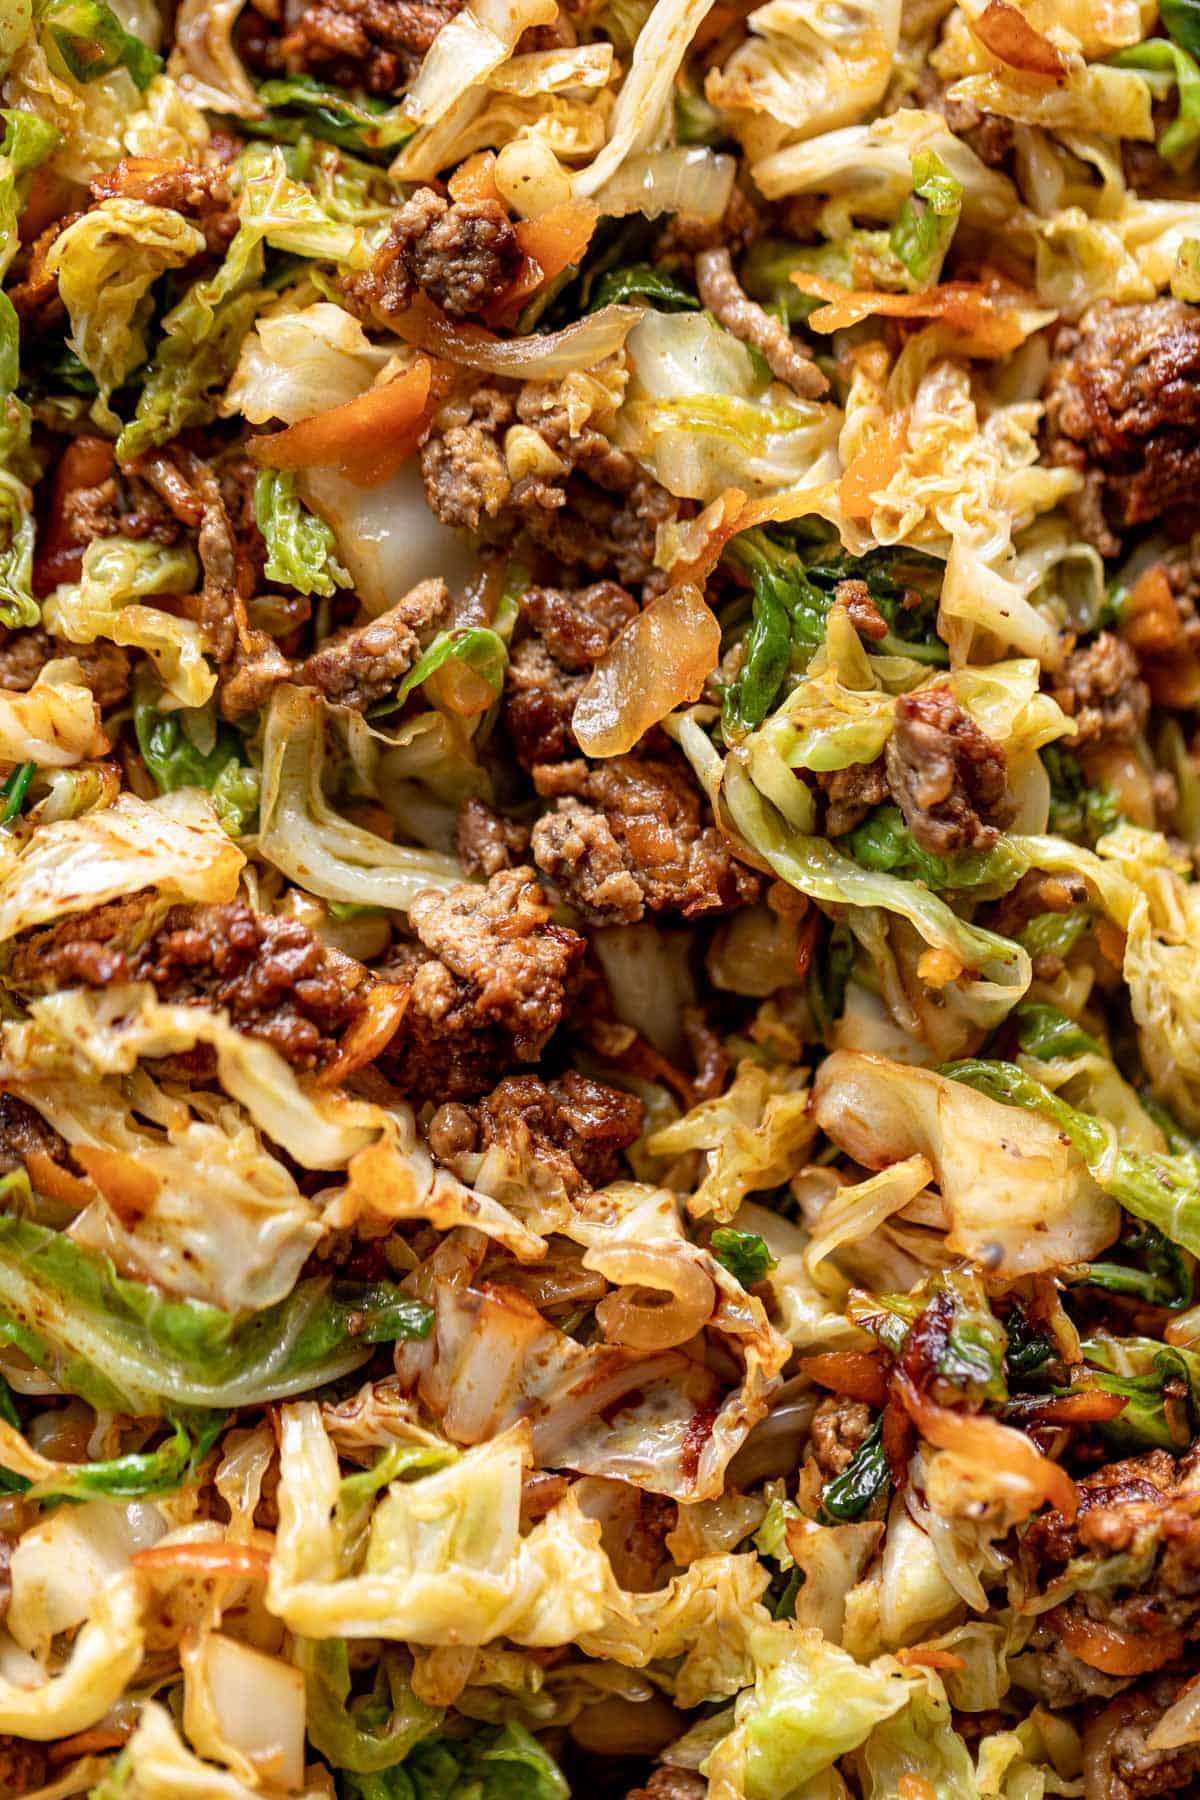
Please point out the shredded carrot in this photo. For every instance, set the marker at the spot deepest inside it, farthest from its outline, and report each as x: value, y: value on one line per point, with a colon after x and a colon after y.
x: 129, y: 1189
x: 928, y: 1656
x: 57, y: 1183
x: 243, y: 1561
x: 985, y: 1440
x: 854, y: 1373
x: 367, y: 438
x: 475, y: 179
x: 550, y: 243
x: 1150, y: 621
x: 990, y: 316
x: 871, y: 470
x: 85, y: 463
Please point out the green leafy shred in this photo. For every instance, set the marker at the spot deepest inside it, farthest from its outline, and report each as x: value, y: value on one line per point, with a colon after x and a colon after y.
x: 365, y: 124
x: 365, y: 1733
x: 1043, y: 1031
x: 301, y: 548
x: 175, y: 761
x: 122, y: 1345
x: 849, y: 1495
x: 497, y: 1762
x: 928, y: 219
x: 743, y: 1253
x: 92, y: 42
x: 793, y: 592
x: 1178, y: 142
x: 884, y: 842
x: 1166, y: 1280
x: 1079, y: 810
x: 1182, y: 19
x: 639, y: 281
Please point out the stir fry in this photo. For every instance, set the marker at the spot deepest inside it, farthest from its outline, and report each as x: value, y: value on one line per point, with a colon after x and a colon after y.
x: 599, y: 916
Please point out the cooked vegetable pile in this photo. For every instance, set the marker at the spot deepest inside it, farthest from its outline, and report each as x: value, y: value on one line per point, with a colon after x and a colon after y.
x: 599, y: 920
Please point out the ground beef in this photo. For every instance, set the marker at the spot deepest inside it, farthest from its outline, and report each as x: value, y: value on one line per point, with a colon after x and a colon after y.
x: 196, y: 191
x: 946, y: 775
x: 35, y: 293
x: 92, y: 498
x: 1143, y: 1508
x: 1109, y: 1493
x: 671, y: 1784
x: 23, y: 1766
x: 463, y: 254
x: 363, y: 664
x: 485, y: 842
x: 489, y: 981
x: 26, y: 651
x: 570, y: 632
x: 574, y: 1127
x: 1120, y: 1766
x: 684, y: 236
x: 851, y: 793
x: 586, y: 502
x: 839, y: 1429
x: 722, y: 293
x: 23, y: 1131
x: 251, y: 676
x: 1123, y: 407
x: 862, y: 611
x: 376, y: 44
x: 273, y: 975
x: 626, y: 839
x: 1100, y: 688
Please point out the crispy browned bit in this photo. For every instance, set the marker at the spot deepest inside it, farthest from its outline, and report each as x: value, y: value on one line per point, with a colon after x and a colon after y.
x: 1123, y: 407
x: 626, y: 838
x: 275, y: 978
x: 35, y: 295
x: 462, y: 254
x: 24, y: 1132
x: 196, y: 190
x: 839, y: 1429
x: 946, y: 775
x: 573, y: 1126
x: 489, y: 981
x: 1118, y: 1763
x: 864, y: 615
x: 105, y: 667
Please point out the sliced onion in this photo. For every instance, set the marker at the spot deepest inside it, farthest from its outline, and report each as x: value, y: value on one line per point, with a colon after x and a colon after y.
x: 1007, y: 33
x: 245, y: 1709
x: 663, y: 1299
x: 695, y: 181
x: 660, y: 661
x: 578, y: 346
x: 1180, y: 1724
